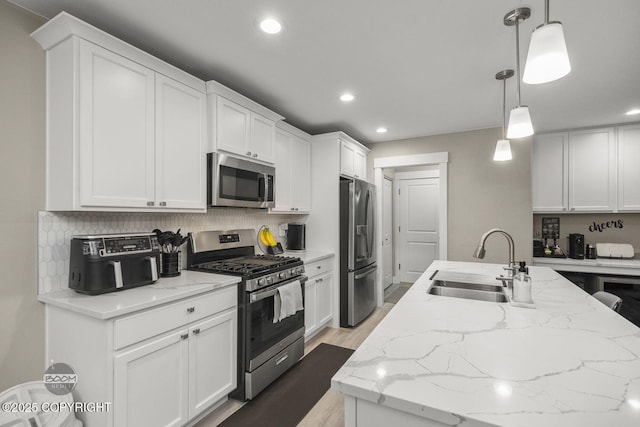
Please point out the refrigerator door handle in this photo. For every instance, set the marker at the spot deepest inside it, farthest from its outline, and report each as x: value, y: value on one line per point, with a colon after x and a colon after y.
x: 370, y: 227
x: 366, y: 272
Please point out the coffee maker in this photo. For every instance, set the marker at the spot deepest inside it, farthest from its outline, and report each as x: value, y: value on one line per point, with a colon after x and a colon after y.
x: 576, y: 246
x: 296, y: 236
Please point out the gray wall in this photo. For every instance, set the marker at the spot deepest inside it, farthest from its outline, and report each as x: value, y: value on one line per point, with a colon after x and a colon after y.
x: 483, y: 194
x: 22, y: 142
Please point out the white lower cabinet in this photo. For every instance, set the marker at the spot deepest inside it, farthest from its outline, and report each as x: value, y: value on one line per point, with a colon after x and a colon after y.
x: 318, y: 296
x: 169, y: 380
x: 162, y: 366
x: 150, y: 381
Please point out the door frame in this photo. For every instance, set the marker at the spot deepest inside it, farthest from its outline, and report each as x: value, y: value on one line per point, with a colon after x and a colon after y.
x: 441, y: 160
x: 399, y: 176
x: 393, y: 235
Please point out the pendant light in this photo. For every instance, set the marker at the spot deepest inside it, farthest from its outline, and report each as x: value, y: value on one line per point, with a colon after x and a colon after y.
x: 503, y: 147
x: 519, y: 118
x: 547, y: 59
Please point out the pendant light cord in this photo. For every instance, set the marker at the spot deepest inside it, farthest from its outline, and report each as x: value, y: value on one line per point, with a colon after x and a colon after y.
x: 504, y: 108
x: 518, y: 58
x: 546, y: 11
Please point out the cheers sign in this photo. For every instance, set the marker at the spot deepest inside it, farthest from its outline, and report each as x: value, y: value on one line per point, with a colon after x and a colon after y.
x: 604, y: 225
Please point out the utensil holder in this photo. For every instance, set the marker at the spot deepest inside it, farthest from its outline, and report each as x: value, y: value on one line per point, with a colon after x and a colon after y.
x: 170, y: 264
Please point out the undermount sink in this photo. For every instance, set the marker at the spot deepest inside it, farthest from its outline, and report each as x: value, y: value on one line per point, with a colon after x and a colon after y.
x: 467, y: 286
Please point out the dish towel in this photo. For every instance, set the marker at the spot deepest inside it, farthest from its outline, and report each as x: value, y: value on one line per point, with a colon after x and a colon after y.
x: 287, y: 301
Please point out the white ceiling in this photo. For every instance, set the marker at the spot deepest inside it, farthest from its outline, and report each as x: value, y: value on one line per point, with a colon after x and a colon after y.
x: 418, y: 67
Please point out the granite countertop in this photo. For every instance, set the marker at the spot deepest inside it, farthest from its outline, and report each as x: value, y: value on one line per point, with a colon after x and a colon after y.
x: 114, y: 304
x: 626, y: 267
x: 570, y: 361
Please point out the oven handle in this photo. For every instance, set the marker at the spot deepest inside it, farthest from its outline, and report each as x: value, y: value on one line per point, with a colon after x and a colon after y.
x: 269, y: 292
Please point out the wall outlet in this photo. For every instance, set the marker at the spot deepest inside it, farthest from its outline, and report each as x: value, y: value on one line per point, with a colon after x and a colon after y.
x: 282, y: 230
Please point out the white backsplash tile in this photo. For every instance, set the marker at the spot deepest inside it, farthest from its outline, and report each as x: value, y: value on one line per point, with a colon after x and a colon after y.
x: 56, y: 228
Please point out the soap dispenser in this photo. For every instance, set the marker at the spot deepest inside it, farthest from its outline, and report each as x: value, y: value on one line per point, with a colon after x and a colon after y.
x: 522, y: 285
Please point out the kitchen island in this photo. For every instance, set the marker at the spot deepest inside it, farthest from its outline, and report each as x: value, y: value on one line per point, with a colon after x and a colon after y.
x: 570, y: 361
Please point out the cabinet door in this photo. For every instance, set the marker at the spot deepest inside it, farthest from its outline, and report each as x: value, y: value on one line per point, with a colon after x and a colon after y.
x: 346, y: 159
x: 263, y: 133
x: 359, y: 165
x: 232, y: 127
x: 180, y: 138
x: 150, y: 383
x: 325, y: 301
x: 212, y: 360
x: 283, y: 171
x: 592, y: 166
x: 300, y: 175
x: 116, y: 130
x: 310, y: 307
x: 549, y: 172
x: 628, y: 170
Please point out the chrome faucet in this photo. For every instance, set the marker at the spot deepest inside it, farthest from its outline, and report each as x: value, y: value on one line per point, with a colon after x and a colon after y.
x: 480, y: 251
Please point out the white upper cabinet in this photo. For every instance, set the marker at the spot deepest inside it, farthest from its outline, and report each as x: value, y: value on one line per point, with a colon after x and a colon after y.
x: 241, y: 126
x: 125, y: 131
x: 116, y: 130
x: 353, y: 159
x: 263, y: 134
x: 293, y: 170
x: 628, y: 170
x: 549, y: 172
x: 592, y: 170
x: 587, y: 170
x: 180, y: 145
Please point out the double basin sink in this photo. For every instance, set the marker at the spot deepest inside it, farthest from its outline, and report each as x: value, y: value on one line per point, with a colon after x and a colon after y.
x: 467, y: 286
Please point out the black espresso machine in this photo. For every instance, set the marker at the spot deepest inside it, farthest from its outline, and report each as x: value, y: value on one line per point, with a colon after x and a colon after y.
x: 111, y: 262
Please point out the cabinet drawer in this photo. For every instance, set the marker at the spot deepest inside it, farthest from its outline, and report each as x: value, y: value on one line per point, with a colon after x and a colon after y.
x: 138, y: 327
x: 319, y: 267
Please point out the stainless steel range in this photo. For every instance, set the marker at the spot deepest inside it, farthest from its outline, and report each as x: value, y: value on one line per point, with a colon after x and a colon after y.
x: 266, y: 347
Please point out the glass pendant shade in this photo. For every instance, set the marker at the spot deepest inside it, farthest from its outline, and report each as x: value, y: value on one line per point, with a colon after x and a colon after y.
x: 547, y: 59
x: 519, y: 123
x: 503, y: 150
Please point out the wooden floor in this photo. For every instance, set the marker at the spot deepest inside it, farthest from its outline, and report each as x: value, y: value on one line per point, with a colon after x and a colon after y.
x: 329, y: 411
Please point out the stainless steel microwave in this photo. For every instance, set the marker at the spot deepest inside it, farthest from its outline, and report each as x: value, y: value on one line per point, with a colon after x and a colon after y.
x: 239, y: 183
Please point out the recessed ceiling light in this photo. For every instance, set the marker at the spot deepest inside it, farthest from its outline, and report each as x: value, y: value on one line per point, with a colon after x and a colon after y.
x: 381, y: 130
x: 270, y: 26
x: 347, y: 97
x: 633, y: 112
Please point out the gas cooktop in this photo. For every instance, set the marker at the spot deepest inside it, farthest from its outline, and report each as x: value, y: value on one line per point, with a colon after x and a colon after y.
x: 248, y: 265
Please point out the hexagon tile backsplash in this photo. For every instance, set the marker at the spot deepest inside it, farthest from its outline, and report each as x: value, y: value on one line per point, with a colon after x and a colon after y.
x: 55, y: 230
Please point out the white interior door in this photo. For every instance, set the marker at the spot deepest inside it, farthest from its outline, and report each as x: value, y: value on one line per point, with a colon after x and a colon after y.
x: 418, y: 226
x: 387, y: 233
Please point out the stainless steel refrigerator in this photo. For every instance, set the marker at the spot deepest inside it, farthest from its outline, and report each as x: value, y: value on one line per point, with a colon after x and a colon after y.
x: 357, y: 251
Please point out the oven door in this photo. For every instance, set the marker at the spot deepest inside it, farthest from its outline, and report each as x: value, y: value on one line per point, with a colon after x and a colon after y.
x: 236, y: 182
x: 263, y: 336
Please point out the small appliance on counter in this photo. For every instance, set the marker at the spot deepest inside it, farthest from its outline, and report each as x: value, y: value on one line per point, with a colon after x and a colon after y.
x: 296, y: 236
x: 550, y: 231
x: 111, y: 262
x: 615, y: 250
x: 576, y: 246
x: 590, y: 251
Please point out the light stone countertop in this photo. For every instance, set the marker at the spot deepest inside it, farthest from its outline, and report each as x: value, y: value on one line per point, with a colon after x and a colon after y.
x: 571, y: 361
x: 114, y: 304
x: 309, y: 256
x: 624, y: 267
